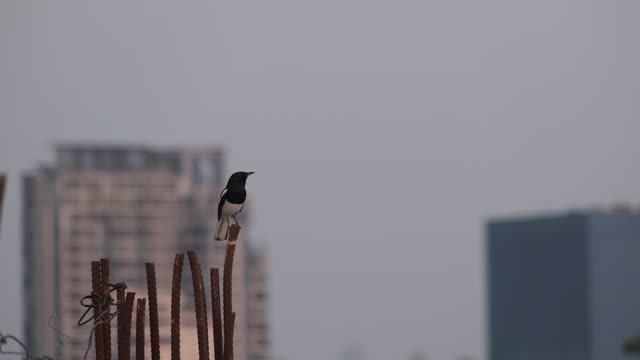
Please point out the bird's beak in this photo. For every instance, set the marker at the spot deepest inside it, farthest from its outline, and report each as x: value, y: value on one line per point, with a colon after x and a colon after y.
x: 250, y: 172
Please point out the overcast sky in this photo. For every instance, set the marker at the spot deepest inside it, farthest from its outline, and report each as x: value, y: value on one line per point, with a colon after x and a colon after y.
x: 383, y: 135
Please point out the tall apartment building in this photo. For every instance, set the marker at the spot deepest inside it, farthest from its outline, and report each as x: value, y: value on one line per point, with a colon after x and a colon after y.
x: 133, y: 205
x: 563, y: 287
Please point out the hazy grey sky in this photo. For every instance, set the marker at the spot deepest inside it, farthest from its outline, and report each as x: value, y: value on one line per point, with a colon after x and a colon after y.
x: 383, y: 134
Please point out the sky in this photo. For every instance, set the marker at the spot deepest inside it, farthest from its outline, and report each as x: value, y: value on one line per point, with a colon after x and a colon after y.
x: 384, y: 134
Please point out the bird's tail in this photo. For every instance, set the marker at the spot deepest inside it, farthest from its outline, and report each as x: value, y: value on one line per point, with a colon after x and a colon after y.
x: 222, y: 229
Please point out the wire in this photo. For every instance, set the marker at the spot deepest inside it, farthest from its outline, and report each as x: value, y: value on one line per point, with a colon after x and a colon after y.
x: 4, y: 340
x: 92, y: 301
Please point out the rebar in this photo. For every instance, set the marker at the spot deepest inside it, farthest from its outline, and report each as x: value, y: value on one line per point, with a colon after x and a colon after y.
x: 227, y: 290
x: 201, y: 306
x: 106, y: 328
x: 3, y: 183
x: 128, y: 310
x: 96, y: 301
x: 229, y: 340
x: 122, y: 324
x: 153, y: 312
x: 176, y: 287
x: 216, y: 316
x: 223, y: 316
x: 98, y: 310
x: 140, y: 329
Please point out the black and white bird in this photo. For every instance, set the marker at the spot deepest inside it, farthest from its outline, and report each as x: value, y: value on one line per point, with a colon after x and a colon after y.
x: 231, y: 203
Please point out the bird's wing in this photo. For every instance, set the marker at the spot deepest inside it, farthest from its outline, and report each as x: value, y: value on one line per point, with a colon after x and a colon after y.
x: 223, y: 198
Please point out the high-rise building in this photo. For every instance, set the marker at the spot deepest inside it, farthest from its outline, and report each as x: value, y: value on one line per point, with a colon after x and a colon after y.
x: 132, y: 205
x: 563, y: 287
x: 257, y: 304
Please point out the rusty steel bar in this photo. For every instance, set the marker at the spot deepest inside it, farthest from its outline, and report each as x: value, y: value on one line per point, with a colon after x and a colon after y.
x: 227, y: 288
x: 216, y: 316
x: 126, y: 345
x: 176, y: 286
x: 229, y: 340
x: 97, y: 311
x: 104, y: 271
x: 201, y: 306
x: 122, y: 324
x: 153, y: 311
x: 140, y: 329
x: 3, y: 184
x: 234, y: 231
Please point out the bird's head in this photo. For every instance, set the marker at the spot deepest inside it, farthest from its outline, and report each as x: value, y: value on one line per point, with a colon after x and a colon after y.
x: 239, y: 178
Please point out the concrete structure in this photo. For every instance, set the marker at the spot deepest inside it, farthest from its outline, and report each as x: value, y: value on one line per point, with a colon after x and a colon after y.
x: 133, y: 205
x: 563, y: 287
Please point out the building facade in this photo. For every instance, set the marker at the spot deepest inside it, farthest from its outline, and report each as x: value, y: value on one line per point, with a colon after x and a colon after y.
x: 133, y: 205
x: 562, y: 287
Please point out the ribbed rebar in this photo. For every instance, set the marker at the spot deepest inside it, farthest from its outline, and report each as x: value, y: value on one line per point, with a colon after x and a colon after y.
x: 229, y: 340
x: 227, y: 290
x: 153, y: 312
x: 98, y: 310
x: 104, y: 271
x: 140, y: 329
x: 176, y: 286
x: 3, y: 183
x: 122, y: 325
x: 201, y: 306
x: 124, y: 352
x: 216, y: 316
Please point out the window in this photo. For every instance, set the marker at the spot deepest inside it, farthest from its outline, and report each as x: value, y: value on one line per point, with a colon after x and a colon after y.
x: 136, y: 160
x: 87, y: 160
x: 205, y: 171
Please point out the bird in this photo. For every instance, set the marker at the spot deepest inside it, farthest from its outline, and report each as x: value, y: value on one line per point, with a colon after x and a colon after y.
x: 231, y: 203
